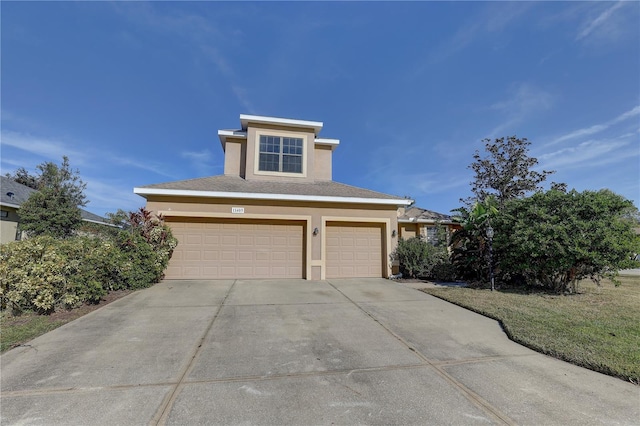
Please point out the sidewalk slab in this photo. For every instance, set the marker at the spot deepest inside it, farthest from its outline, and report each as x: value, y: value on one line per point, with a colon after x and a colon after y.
x: 282, y: 292
x: 368, y: 290
x: 542, y: 390
x: 176, y: 293
x: 112, y: 347
x: 442, y: 331
x: 415, y: 396
x: 84, y: 407
x: 287, y: 339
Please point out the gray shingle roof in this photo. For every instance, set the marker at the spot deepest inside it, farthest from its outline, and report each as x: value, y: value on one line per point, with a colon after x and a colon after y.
x: 22, y: 192
x: 425, y: 215
x: 222, y: 183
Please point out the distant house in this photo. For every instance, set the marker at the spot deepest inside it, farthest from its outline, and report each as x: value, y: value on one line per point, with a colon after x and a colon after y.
x: 415, y: 221
x: 12, y: 195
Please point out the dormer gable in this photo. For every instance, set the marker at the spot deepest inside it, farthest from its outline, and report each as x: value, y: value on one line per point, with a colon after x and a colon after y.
x: 274, y: 148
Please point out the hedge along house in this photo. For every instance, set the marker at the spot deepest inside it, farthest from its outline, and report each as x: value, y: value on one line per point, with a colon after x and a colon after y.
x: 276, y: 212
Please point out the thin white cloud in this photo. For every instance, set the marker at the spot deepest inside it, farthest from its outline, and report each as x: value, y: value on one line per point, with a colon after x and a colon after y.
x: 45, y: 148
x: 525, y: 101
x: 108, y: 197
x: 494, y: 18
x: 147, y: 165
x: 51, y: 149
x: 597, y: 128
x: 600, y: 22
x: 200, y: 160
x: 208, y: 38
x: 242, y: 95
x: 582, y: 154
x: 403, y: 182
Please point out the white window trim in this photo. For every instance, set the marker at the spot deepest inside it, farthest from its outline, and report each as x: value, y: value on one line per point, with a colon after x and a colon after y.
x: 281, y: 134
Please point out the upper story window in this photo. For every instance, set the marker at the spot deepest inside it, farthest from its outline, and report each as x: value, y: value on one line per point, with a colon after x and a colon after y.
x: 280, y: 154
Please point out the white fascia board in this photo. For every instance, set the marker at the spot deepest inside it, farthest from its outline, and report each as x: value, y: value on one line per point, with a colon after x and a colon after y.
x: 224, y: 134
x: 326, y: 141
x: 332, y: 143
x: 15, y: 206
x: 279, y: 197
x: 246, y: 118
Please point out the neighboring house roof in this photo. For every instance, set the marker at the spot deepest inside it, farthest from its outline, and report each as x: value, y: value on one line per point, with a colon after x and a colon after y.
x: 20, y: 194
x: 13, y: 193
x: 222, y: 186
x: 91, y: 217
x: 418, y: 215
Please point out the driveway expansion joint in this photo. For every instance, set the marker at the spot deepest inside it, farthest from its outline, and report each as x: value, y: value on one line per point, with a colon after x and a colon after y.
x: 165, y: 407
x: 473, y: 397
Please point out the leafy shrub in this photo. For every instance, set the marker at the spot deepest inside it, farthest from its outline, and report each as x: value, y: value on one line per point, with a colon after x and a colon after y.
x: 554, y: 239
x: 144, y: 226
x: 444, y: 271
x: 43, y: 274
x: 419, y: 258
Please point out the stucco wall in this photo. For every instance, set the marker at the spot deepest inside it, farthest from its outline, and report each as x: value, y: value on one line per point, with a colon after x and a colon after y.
x: 323, y: 159
x: 234, y: 160
x: 8, y: 226
x: 313, y: 214
x: 253, y: 140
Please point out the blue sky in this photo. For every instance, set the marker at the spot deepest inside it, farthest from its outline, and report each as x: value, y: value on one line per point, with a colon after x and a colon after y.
x: 134, y: 93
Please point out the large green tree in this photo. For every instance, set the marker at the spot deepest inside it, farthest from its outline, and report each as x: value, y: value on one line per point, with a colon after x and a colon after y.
x: 506, y: 171
x: 23, y: 176
x: 554, y: 239
x: 54, y: 209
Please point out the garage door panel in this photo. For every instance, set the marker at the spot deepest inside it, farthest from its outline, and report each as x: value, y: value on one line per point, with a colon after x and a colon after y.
x: 193, y: 239
x: 263, y: 241
x: 230, y: 240
x: 354, y: 250
x: 245, y: 255
x: 210, y: 255
x: 246, y: 240
x: 211, y: 239
x: 236, y: 249
x: 192, y: 255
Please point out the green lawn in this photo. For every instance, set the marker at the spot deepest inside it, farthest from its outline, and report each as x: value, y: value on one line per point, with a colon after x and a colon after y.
x: 599, y: 328
x: 17, y: 330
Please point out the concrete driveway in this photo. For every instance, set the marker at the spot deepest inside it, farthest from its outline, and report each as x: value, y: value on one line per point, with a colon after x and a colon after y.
x: 296, y: 352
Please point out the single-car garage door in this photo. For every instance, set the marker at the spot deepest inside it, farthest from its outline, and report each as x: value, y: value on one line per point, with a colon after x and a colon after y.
x: 236, y: 249
x: 354, y: 250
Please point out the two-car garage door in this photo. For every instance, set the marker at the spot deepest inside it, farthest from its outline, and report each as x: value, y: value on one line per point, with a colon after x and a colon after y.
x: 225, y: 249
x: 237, y: 249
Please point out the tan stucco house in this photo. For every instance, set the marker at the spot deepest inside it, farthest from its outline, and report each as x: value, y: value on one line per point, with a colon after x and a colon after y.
x: 416, y: 221
x: 276, y: 212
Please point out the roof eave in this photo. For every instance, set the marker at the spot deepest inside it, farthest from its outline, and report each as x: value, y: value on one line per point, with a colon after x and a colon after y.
x: 15, y: 206
x: 245, y: 119
x: 270, y: 196
x: 333, y: 143
x: 224, y: 134
x: 432, y: 221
